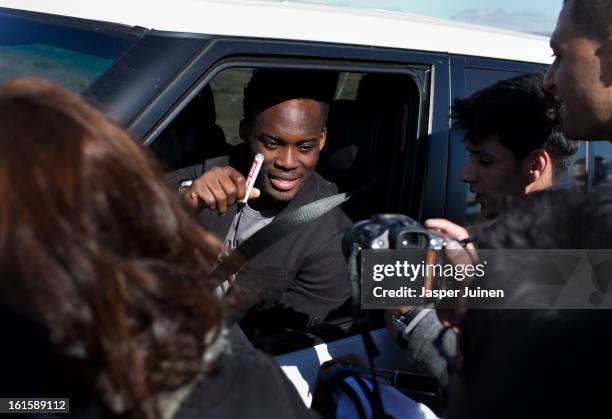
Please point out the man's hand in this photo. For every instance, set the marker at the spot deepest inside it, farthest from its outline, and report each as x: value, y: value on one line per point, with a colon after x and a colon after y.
x: 218, y: 189
x: 457, y: 254
x: 451, y: 230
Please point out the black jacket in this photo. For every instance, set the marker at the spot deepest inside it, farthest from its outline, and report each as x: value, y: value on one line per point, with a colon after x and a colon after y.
x: 302, y: 277
x: 247, y: 384
x: 244, y: 382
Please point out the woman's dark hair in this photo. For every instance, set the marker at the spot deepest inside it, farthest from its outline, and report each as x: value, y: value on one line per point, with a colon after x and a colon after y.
x: 98, y: 251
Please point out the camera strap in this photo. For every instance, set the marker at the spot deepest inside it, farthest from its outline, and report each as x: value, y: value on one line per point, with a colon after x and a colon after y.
x: 361, y: 325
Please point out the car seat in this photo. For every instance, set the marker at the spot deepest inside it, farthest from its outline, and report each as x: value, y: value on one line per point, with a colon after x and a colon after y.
x: 193, y: 136
x: 366, y: 143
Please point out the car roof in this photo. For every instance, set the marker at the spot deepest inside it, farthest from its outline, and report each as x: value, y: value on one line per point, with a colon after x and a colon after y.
x: 307, y: 22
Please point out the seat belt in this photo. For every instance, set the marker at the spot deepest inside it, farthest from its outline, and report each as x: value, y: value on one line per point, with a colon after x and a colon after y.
x: 283, y: 226
x: 280, y: 227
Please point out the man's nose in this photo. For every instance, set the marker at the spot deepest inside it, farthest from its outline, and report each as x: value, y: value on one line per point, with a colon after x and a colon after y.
x: 468, y: 173
x: 549, y: 79
x: 287, y: 158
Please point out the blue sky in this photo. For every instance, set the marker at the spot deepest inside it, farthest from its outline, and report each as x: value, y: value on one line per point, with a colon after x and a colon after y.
x: 537, y: 16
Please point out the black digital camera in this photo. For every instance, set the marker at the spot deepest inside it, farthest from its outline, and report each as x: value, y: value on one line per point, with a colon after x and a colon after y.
x: 391, y: 231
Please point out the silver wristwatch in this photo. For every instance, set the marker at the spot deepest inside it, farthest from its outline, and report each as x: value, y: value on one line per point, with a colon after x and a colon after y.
x: 185, y: 184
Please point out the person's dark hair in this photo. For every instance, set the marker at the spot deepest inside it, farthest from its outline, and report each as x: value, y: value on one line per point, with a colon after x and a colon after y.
x: 593, y: 17
x: 269, y: 87
x: 534, y: 223
x: 522, y: 113
x: 554, y: 219
x: 535, y: 363
x: 96, y: 249
x: 540, y: 363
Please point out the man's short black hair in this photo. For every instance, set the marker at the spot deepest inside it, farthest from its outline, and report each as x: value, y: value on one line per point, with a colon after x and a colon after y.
x: 269, y: 87
x: 522, y: 113
x: 593, y: 17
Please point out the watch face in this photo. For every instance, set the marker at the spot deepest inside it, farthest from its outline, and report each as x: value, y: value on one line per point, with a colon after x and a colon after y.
x: 186, y: 184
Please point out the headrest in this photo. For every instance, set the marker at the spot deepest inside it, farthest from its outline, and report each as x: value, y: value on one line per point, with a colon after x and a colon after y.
x: 345, y: 133
x: 202, y: 106
x: 379, y: 89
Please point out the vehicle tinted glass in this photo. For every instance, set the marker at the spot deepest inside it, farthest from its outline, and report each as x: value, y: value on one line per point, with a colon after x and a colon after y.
x: 576, y: 175
x: 228, y: 89
x: 72, y: 56
x: 600, y: 163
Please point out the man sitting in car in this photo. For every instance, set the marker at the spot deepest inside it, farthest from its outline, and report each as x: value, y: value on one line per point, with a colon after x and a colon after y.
x: 301, y: 278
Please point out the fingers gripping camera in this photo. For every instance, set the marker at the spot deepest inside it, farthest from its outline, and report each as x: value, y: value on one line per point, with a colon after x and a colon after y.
x: 392, y: 231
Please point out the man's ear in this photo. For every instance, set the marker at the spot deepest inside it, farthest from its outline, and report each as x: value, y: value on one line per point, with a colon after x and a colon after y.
x: 244, y: 131
x: 322, y: 138
x: 539, y: 166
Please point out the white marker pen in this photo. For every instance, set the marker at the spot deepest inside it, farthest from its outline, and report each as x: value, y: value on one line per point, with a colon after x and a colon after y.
x: 250, y: 182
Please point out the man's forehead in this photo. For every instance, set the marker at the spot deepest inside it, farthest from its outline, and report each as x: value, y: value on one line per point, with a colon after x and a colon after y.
x: 302, y: 109
x: 472, y: 144
x: 566, y: 27
x: 294, y: 106
x: 290, y: 119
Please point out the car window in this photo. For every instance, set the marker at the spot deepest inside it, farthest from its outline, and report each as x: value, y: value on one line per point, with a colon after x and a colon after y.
x: 599, y: 164
x: 228, y: 89
x: 372, y: 127
x: 71, y: 56
x: 371, y: 119
x: 348, y: 85
x: 576, y: 174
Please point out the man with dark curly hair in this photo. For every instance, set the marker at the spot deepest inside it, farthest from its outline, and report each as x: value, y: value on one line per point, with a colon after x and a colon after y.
x: 301, y: 278
x: 511, y: 132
